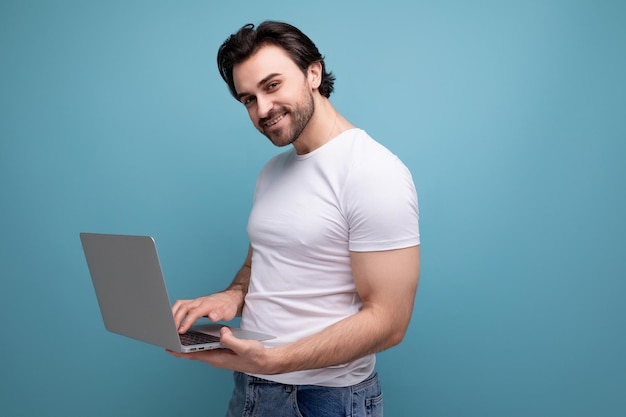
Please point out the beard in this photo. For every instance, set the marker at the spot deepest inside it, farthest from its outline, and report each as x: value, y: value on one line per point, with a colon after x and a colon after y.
x: 300, y: 117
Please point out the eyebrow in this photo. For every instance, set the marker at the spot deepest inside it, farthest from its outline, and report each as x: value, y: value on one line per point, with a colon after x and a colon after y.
x: 259, y: 84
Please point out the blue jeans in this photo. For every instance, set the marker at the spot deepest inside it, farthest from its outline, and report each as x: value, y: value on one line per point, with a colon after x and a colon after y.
x: 256, y: 397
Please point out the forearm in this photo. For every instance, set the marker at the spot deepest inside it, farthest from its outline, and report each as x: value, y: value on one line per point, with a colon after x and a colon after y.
x: 239, y: 287
x: 367, y: 332
x: 343, y: 342
x: 387, y: 283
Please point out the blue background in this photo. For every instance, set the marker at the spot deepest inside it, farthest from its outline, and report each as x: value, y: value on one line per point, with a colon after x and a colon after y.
x: 510, y: 115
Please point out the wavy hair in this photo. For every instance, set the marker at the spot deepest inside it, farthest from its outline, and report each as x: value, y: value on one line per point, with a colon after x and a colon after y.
x: 246, y: 41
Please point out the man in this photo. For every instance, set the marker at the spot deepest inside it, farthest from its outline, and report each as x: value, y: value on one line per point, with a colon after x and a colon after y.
x: 333, y: 263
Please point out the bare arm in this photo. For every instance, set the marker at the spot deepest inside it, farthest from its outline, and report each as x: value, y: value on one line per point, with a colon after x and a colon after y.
x: 386, y: 282
x: 225, y: 305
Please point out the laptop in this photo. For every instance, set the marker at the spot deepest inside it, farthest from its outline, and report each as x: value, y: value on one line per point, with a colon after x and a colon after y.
x: 133, y: 299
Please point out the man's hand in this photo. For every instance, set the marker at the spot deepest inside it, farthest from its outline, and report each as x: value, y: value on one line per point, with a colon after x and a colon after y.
x: 240, y: 355
x: 219, y: 306
x: 386, y: 282
x: 225, y: 305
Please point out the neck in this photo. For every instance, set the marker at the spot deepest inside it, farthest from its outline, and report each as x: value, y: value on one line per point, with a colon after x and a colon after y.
x: 325, y: 124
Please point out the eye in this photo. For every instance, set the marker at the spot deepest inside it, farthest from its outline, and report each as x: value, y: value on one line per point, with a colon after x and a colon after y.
x: 273, y: 85
x: 248, y: 100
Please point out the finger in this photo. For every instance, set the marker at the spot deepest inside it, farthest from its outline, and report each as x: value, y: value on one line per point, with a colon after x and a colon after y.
x: 215, y: 315
x: 228, y: 339
x: 172, y: 353
x: 179, y: 312
x: 178, y: 304
x: 186, y: 321
x: 182, y: 355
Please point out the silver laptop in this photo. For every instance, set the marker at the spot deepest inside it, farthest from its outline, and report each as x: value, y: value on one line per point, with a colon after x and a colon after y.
x: 133, y: 299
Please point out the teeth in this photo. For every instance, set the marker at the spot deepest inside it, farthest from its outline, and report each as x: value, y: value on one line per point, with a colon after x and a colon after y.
x: 276, y: 120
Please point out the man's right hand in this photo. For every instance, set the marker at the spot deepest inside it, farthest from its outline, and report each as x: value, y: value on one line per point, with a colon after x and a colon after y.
x: 221, y: 306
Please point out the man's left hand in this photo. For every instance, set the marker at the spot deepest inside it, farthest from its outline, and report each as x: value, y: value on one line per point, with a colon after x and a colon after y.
x: 241, y: 355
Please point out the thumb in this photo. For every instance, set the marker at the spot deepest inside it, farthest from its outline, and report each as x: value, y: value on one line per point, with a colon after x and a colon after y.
x: 228, y: 339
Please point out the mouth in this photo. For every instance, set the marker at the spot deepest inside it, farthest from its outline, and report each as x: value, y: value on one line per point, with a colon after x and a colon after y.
x: 275, y: 120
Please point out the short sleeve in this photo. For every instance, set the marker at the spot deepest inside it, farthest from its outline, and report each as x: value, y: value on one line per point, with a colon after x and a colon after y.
x: 381, y: 204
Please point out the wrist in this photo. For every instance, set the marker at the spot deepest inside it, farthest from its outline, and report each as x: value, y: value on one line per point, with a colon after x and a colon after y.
x: 237, y: 295
x: 274, y: 361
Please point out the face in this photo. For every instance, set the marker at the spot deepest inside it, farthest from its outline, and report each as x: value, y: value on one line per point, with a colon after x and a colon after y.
x: 276, y: 93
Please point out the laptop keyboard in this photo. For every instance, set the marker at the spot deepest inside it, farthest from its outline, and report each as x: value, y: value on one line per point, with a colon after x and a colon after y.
x: 197, y: 338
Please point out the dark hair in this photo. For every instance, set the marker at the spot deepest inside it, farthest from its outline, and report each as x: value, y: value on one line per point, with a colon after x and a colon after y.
x: 248, y: 40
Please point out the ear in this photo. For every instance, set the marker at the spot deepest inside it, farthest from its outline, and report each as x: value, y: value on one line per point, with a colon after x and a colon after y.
x: 315, y: 75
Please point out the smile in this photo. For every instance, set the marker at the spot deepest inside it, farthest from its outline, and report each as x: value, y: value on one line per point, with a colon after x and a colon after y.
x: 276, y: 120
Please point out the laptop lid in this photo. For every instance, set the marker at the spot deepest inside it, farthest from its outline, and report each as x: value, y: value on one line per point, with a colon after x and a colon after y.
x: 131, y: 291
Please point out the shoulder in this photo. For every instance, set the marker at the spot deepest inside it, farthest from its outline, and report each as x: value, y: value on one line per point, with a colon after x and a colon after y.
x: 279, y: 161
x: 371, y: 158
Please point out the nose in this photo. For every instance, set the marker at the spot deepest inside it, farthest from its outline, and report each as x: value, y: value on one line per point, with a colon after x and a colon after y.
x: 263, y: 106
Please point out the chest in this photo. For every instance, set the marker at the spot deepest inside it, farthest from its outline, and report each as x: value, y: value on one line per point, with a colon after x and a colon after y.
x: 299, y: 208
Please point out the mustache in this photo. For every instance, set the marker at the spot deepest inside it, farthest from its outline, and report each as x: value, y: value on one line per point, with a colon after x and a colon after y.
x: 273, y: 114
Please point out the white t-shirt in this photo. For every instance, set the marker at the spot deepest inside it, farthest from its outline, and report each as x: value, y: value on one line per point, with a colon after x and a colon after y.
x: 309, y: 212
